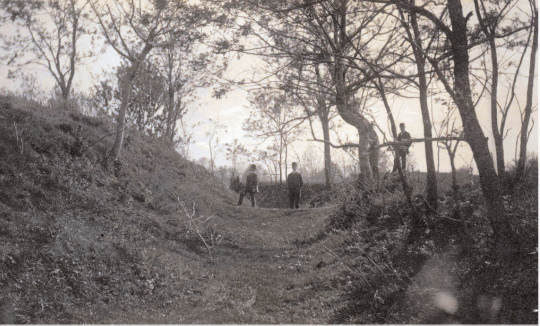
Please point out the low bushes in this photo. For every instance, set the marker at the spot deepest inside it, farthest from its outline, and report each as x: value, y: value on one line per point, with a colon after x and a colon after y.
x: 441, y: 271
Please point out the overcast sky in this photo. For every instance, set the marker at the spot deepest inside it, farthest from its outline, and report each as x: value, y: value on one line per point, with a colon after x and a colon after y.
x: 232, y: 111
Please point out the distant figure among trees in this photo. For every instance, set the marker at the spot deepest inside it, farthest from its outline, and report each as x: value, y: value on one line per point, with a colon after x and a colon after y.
x: 252, y: 186
x: 401, y: 151
x: 294, y: 183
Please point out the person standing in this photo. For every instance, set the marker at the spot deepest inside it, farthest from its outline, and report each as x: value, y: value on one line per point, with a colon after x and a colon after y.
x: 401, y: 151
x: 294, y: 183
x: 252, y: 186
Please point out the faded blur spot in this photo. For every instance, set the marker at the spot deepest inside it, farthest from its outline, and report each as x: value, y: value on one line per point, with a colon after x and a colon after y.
x: 488, y: 307
x: 446, y: 302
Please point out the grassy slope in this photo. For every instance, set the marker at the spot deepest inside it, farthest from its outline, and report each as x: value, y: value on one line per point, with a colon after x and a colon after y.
x: 73, y: 234
x: 81, y: 244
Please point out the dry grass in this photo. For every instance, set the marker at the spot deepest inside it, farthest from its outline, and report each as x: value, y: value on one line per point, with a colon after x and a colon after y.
x: 79, y: 244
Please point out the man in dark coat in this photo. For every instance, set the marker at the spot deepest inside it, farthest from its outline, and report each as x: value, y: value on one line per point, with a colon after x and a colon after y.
x: 401, y: 151
x: 294, y: 183
x: 252, y: 186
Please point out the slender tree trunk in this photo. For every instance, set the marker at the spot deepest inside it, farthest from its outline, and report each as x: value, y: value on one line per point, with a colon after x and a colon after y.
x: 73, y: 56
x: 524, y: 136
x: 170, y: 114
x: 373, y: 154
x: 327, y: 150
x: 431, y: 185
x: 126, y: 94
x: 497, y: 136
x: 120, y: 124
x: 404, y: 183
x: 455, y: 188
x: 280, y: 159
x: 323, y: 113
x: 286, y: 161
x: 211, y: 155
x: 473, y: 131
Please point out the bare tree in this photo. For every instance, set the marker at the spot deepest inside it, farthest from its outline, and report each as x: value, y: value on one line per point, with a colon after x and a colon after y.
x: 319, y: 33
x: 273, y: 118
x: 133, y: 31
x: 493, y: 23
x: 235, y: 152
x: 526, y: 116
x: 310, y: 165
x: 187, y: 66
x: 48, y: 34
x: 412, y: 28
x: 214, y: 145
x: 454, y: 28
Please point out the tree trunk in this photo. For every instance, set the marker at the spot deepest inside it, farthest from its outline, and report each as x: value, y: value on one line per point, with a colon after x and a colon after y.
x: 280, y: 160
x: 121, y: 120
x: 404, y: 183
x: 362, y: 125
x: 373, y: 154
x: 126, y: 94
x: 286, y: 161
x: 327, y: 150
x: 323, y: 112
x: 497, y: 136
x: 348, y: 114
x: 170, y: 113
x: 524, y: 136
x: 473, y: 132
x: 431, y: 185
x: 455, y: 188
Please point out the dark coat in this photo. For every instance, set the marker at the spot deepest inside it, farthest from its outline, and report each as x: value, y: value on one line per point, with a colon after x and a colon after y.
x: 404, y: 136
x: 252, y: 182
x: 294, y: 181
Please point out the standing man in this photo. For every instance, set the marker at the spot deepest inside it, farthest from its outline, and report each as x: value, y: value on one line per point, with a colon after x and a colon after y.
x: 294, y: 183
x: 401, y: 151
x: 252, y: 186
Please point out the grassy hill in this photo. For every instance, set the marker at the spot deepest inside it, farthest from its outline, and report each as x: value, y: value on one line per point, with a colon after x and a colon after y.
x: 72, y: 230
x: 157, y: 239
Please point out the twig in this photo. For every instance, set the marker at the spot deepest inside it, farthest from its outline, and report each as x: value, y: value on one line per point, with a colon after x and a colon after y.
x: 397, y: 275
x: 377, y: 266
x: 192, y: 221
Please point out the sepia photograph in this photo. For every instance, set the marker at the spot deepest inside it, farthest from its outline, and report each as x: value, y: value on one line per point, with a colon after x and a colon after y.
x: 269, y: 162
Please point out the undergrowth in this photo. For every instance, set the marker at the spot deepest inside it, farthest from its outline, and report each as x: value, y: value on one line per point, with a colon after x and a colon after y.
x: 74, y: 232
x: 441, y: 270
x: 79, y: 233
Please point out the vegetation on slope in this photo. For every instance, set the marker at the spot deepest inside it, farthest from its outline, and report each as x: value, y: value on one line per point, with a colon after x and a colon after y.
x: 73, y: 229
x: 88, y: 240
x: 442, y: 268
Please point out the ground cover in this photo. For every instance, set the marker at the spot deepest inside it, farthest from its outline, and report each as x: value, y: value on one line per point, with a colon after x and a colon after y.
x: 156, y: 240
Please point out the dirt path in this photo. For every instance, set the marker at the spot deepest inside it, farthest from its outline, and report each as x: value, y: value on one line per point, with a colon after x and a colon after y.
x: 259, y: 274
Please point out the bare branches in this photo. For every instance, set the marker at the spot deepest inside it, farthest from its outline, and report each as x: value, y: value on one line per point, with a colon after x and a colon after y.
x: 48, y: 35
x: 419, y: 140
x: 197, y: 224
